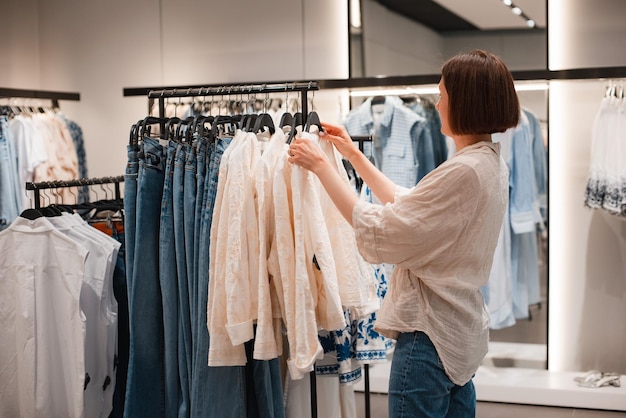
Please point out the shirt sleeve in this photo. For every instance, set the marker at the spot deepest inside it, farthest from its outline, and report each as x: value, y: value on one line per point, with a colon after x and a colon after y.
x: 422, y: 223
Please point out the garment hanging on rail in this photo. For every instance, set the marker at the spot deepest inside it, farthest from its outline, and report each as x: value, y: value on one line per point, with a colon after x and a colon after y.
x: 170, y: 192
x: 37, y: 145
x: 606, y: 180
x: 514, y: 279
x: 66, y: 334
x: 406, y: 142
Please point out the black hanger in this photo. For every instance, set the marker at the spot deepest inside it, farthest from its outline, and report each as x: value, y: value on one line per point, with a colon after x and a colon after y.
x: 264, y: 120
x: 31, y: 214
x: 297, y: 121
x: 248, y: 122
x: 170, y: 129
x: 286, y: 120
x: 144, y: 126
x: 50, y: 211
x: 219, y: 121
x: 378, y: 100
x: 134, y: 134
x: 313, y: 119
x: 181, y: 136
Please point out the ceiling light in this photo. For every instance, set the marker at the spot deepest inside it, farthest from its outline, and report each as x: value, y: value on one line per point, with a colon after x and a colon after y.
x: 516, y: 11
x: 530, y: 23
x: 507, y: 2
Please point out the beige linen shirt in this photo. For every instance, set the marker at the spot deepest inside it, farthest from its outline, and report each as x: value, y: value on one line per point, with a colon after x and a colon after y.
x: 441, y: 234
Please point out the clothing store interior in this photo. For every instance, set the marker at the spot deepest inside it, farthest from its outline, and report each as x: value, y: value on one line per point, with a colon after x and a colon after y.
x: 124, y: 233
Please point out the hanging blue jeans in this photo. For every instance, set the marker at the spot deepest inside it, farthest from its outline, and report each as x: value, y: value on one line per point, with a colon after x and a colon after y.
x: 189, y: 206
x: 120, y: 290
x: 130, y: 209
x: 145, y: 384
x: 419, y: 386
x: 201, y: 157
x: 169, y: 289
x: 218, y: 392
x: 184, y: 316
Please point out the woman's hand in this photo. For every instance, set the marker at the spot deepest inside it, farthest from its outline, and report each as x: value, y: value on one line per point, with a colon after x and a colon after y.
x: 307, y: 154
x: 340, y: 138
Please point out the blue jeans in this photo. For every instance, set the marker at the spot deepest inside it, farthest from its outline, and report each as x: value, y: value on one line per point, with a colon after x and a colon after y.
x: 419, y: 386
x: 189, y: 207
x: 130, y: 209
x: 201, y: 158
x: 145, y: 384
x: 184, y: 316
x: 169, y: 289
x: 227, y: 384
x: 120, y: 290
x: 10, y: 190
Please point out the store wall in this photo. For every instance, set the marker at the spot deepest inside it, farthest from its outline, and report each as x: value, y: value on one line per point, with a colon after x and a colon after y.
x: 97, y: 48
x: 19, y: 44
x: 587, y: 247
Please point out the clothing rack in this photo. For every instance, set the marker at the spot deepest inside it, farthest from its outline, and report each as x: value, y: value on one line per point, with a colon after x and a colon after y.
x: 36, y: 187
x: 55, y: 96
x: 163, y: 93
x: 224, y: 90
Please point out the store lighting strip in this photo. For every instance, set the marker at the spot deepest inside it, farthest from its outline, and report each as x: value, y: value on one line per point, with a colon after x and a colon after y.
x: 516, y: 10
x: 435, y: 90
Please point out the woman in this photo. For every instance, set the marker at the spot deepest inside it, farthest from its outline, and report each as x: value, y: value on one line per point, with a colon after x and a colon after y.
x: 441, y: 235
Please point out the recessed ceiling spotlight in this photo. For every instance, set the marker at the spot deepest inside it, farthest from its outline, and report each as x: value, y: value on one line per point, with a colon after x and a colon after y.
x: 516, y: 11
x: 530, y: 23
x: 507, y: 2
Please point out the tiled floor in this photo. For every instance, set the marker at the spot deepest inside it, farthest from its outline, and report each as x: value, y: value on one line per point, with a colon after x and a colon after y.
x: 378, y: 409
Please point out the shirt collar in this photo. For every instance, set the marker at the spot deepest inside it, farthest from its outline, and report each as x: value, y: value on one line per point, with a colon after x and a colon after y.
x: 31, y: 226
x: 366, y: 111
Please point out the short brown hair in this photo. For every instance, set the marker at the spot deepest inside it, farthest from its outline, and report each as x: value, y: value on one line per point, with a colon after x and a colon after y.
x: 481, y: 94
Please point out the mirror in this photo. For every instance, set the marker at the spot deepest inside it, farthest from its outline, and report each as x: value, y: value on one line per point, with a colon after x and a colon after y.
x: 394, y: 38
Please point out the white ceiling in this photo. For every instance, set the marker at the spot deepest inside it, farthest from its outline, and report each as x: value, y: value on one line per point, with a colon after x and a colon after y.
x: 493, y: 14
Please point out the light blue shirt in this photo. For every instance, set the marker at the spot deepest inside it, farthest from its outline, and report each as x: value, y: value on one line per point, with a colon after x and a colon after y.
x: 399, y: 132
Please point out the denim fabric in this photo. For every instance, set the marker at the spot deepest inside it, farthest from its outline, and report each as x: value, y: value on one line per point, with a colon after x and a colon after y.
x: 228, y: 384
x: 145, y: 385
x: 121, y: 296
x: 169, y: 289
x: 79, y: 143
x: 10, y: 194
x: 184, y: 317
x: 130, y: 210
x: 428, y: 162
x: 189, y: 207
x: 264, y: 393
x: 419, y: 386
x: 201, y: 158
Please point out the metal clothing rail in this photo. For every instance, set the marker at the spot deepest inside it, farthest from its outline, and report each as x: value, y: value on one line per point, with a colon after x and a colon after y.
x: 56, y: 184
x: 229, y: 89
x: 55, y: 96
x: 302, y: 87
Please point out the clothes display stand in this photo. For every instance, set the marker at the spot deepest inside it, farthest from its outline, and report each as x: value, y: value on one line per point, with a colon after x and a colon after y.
x: 163, y: 94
